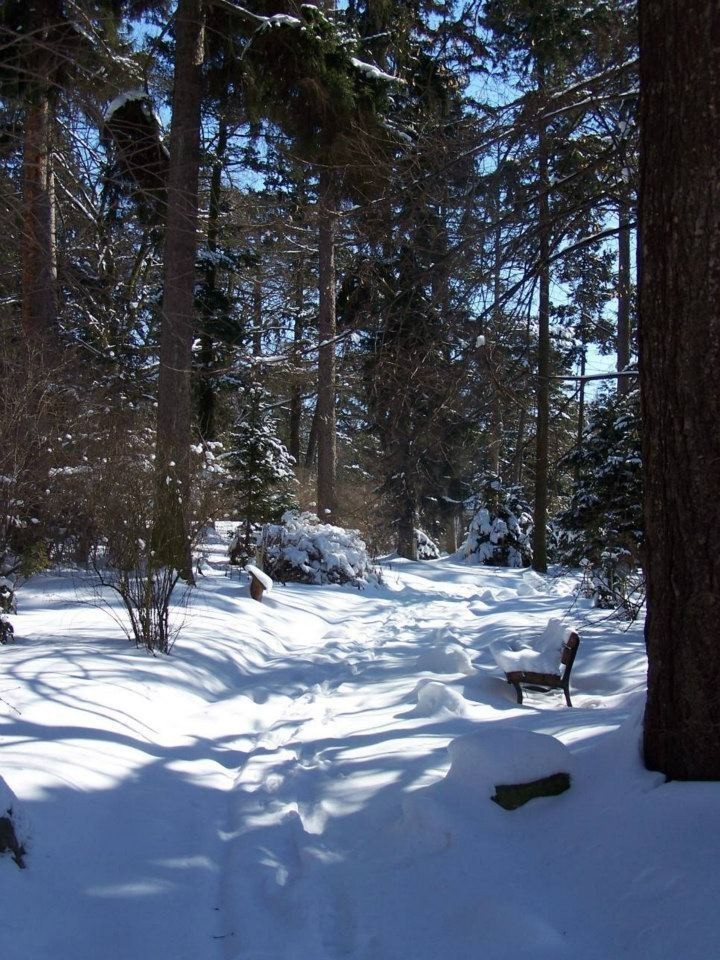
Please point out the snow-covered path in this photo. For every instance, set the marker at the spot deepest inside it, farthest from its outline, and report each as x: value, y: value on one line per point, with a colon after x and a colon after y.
x: 277, y: 787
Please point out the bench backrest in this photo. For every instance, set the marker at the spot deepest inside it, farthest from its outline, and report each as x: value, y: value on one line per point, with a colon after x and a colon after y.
x: 569, y: 651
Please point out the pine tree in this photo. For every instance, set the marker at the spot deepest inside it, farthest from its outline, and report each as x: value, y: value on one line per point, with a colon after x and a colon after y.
x: 602, y: 527
x: 260, y: 467
x: 500, y: 531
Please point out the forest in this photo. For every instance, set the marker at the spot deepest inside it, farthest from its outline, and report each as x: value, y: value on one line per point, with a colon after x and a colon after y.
x: 359, y: 260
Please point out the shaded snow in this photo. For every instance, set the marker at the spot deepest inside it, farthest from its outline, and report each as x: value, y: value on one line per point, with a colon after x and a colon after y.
x: 299, y: 782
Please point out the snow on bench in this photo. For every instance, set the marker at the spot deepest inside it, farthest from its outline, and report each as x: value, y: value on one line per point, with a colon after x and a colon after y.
x: 259, y: 582
x: 545, y: 664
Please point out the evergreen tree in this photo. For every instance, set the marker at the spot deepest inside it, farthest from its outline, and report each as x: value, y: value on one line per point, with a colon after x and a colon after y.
x: 500, y: 531
x: 602, y: 527
x: 260, y: 467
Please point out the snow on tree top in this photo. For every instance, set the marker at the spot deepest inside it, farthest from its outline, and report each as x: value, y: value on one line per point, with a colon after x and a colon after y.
x: 122, y: 99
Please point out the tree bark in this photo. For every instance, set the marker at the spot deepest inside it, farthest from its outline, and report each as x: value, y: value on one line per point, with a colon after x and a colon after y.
x: 296, y: 389
x: 679, y: 338
x: 39, y: 267
x: 174, y: 418
x: 326, y: 439
x: 624, y: 333
x: 542, y: 429
x: 206, y: 387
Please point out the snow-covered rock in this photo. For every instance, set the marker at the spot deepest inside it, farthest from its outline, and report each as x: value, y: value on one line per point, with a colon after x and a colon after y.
x: 479, y: 762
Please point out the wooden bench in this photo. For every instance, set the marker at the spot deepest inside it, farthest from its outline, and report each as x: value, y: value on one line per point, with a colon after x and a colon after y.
x: 548, y: 681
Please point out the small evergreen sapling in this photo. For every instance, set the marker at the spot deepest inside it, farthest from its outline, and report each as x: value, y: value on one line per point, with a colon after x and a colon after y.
x: 500, y: 532
x: 427, y: 549
x: 259, y: 466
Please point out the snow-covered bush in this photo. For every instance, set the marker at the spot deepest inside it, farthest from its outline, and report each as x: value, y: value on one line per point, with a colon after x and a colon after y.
x: 302, y: 549
x: 427, y: 549
x: 499, y: 534
x: 601, y: 531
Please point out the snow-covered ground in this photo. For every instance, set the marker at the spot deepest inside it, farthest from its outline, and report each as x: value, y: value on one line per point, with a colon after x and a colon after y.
x: 278, y: 788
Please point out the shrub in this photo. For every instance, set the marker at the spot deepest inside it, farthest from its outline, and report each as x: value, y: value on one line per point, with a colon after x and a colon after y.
x: 302, y: 549
x: 127, y: 559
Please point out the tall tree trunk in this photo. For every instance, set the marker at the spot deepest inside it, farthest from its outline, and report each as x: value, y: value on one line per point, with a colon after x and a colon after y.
x: 407, y: 512
x: 174, y: 418
x: 206, y: 385
x: 39, y: 269
x: 496, y: 425
x: 679, y: 361
x: 624, y: 333
x: 296, y: 389
x: 581, y: 402
x: 327, y: 439
x: 542, y: 429
x: 312, y: 439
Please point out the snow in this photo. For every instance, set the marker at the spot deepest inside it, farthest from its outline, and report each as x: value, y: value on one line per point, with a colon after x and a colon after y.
x: 304, y: 779
x: 375, y: 73
x: 481, y: 761
x: 126, y: 97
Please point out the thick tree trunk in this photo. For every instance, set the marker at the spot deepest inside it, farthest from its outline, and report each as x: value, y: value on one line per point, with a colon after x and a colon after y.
x: 326, y: 446
x: 542, y: 429
x: 623, y: 338
x: 39, y: 270
x: 679, y: 336
x: 174, y: 419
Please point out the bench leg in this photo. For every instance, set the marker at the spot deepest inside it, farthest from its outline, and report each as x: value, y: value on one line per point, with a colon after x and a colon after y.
x: 566, y: 690
x: 518, y: 691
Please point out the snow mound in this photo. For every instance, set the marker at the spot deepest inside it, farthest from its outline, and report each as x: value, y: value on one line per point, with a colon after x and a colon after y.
x: 301, y: 549
x: 434, y: 697
x: 11, y: 807
x: 446, y: 634
x: 448, y: 658
x: 481, y: 761
x: 540, y: 656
